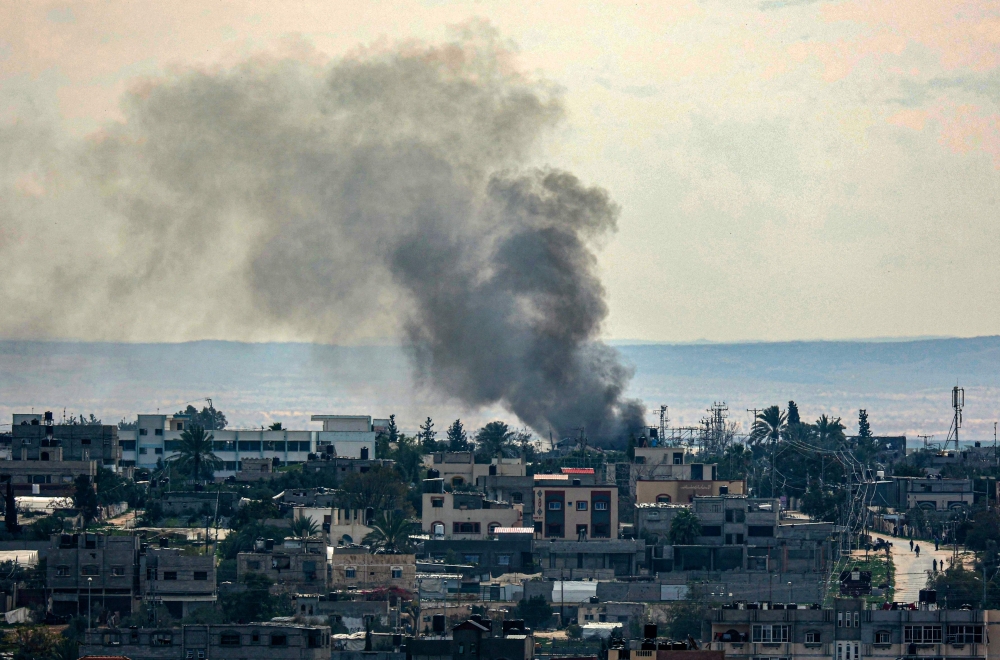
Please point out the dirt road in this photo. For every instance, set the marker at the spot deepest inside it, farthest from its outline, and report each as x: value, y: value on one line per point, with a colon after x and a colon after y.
x: 912, y: 571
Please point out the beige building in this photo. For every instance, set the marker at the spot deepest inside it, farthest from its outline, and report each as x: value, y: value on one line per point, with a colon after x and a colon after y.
x: 354, y: 566
x: 683, y: 491
x: 460, y: 468
x: 345, y: 526
x: 465, y: 516
x: 567, y: 509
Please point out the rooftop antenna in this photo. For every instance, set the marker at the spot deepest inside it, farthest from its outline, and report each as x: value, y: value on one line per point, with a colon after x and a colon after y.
x: 925, y: 439
x: 957, y: 403
x: 664, y: 421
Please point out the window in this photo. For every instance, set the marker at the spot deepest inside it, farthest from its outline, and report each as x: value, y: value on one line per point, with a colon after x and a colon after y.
x: 90, y: 569
x: 965, y: 634
x: 465, y: 528
x: 735, y: 515
x: 840, y: 619
x: 437, y: 502
x: 118, y: 571
x: 921, y: 634
x: 503, y: 560
x: 127, y: 445
x: 770, y: 634
x: 581, y: 506
x: 229, y: 639
x: 437, y: 529
x: 158, y: 432
x: 848, y: 651
x: 663, y: 498
x: 857, y: 619
x: 600, y: 506
x: 397, y: 572
x: 158, y: 451
x: 142, y: 450
x: 493, y: 528
x: 62, y: 571
x: 516, y: 498
x: 350, y: 572
x: 201, y: 575
x: 553, y: 529
x: 169, y: 575
x: 812, y: 637
x: 255, y: 637
x: 253, y: 565
x: 555, y: 505
x: 471, y: 559
x: 711, y: 530
x: 883, y: 637
x: 143, y: 431
x: 279, y: 640
x: 760, y: 530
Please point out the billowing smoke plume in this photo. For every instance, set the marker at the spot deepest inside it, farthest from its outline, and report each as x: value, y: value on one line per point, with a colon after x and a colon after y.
x: 383, y: 195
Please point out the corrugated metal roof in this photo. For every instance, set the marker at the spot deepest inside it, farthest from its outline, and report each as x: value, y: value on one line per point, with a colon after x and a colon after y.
x: 514, y: 530
x: 578, y: 470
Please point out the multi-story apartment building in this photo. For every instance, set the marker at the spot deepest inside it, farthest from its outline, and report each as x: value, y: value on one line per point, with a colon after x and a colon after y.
x: 593, y: 559
x: 50, y: 476
x: 34, y: 437
x: 261, y: 641
x: 181, y: 582
x: 464, y: 515
x: 475, y: 639
x: 354, y: 566
x: 101, y: 569
x: 566, y: 508
x: 297, y: 565
x: 848, y: 631
x: 158, y: 437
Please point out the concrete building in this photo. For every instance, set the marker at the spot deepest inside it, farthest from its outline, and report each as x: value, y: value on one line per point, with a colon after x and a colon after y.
x: 593, y: 559
x: 297, y: 565
x: 848, y: 631
x: 355, y: 566
x: 49, y: 477
x: 611, y: 612
x: 33, y: 438
x: 683, y: 490
x: 101, y: 568
x: 340, y: 609
x: 505, y: 553
x: 180, y: 582
x: 158, y: 437
x: 261, y: 641
x: 464, y: 515
x: 460, y: 468
x: 933, y: 494
x: 565, y: 508
x: 475, y: 639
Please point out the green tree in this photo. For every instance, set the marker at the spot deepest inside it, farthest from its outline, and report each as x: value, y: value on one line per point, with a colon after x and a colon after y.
x: 829, y: 431
x: 208, y: 418
x: 769, y: 425
x: 254, y: 513
x: 684, y: 528
x: 195, y: 457
x: 793, y: 414
x: 630, y: 449
x: 385, y: 439
x: 304, y: 527
x: 409, y: 458
x: 254, y: 602
x: 684, y: 619
x: 864, y: 428
x: 378, y: 489
x: 985, y: 528
x: 494, y: 440
x: 427, y: 435
x: 85, y: 499
x: 34, y: 643
x: 390, y: 533
x: 957, y: 587
x: 458, y: 439
x: 535, y: 611
x: 823, y: 503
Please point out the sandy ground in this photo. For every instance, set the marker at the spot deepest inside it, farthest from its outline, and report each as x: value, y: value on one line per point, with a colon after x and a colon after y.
x: 912, y: 571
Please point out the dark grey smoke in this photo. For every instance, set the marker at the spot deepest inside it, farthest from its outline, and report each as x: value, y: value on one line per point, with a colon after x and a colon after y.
x: 385, y: 195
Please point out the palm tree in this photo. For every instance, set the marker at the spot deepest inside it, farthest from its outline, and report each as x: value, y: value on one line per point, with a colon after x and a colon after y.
x: 304, y: 527
x: 684, y: 528
x: 390, y: 533
x: 769, y: 425
x: 829, y: 430
x: 195, y: 455
x: 494, y: 439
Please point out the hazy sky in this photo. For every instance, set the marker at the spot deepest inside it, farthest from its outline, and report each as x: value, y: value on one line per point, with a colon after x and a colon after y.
x: 785, y: 170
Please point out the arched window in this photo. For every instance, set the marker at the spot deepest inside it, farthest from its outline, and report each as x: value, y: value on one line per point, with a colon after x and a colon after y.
x: 662, y: 499
x: 437, y: 529
x: 457, y: 481
x: 493, y: 527
x: 45, y: 455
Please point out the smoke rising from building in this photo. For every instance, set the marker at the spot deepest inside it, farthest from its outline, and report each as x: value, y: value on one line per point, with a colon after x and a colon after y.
x: 382, y: 195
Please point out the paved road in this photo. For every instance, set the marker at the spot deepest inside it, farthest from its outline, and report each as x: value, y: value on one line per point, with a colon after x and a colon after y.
x: 912, y: 571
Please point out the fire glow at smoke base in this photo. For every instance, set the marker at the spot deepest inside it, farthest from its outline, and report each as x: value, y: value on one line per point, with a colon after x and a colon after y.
x: 326, y: 202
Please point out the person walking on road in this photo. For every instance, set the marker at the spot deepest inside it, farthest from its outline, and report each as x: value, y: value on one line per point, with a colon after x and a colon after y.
x: 917, y: 550
x: 911, y: 545
x: 937, y: 542
x: 934, y: 565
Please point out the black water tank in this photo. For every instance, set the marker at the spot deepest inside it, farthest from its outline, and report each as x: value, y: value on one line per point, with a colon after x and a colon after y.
x: 493, y: 470
x: 928, y: 596
x: 649, y: 631
x: 164, y: 542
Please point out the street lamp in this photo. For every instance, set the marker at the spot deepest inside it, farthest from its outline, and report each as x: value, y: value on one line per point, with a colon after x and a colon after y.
x: 90, y: 581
